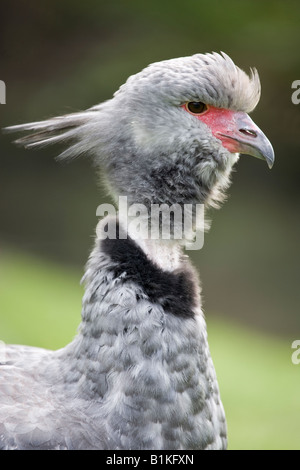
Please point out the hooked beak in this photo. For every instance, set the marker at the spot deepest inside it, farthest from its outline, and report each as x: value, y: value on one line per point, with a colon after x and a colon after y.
x: 242, y: 135
x: 237, y: 132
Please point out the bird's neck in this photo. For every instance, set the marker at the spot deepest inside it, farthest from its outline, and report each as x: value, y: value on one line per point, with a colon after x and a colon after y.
x: 142, y: 345
x: 165, y: 254
x: 184, y: 177
x: 144, y: 266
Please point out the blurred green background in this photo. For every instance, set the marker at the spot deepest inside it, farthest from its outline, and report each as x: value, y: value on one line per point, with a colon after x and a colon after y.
x: 61, y: 56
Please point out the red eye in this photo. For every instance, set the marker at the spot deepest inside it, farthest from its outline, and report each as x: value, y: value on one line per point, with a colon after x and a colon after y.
x: 196, y: 107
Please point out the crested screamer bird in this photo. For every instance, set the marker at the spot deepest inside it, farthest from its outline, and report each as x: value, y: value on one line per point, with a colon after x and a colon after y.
x: 139, y: 375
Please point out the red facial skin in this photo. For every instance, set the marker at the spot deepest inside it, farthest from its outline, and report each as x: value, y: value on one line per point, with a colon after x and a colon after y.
x: 225, y: 125
x: 237, y: 132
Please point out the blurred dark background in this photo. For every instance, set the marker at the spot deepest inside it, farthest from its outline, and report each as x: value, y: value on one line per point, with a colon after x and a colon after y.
x: 61, y: 56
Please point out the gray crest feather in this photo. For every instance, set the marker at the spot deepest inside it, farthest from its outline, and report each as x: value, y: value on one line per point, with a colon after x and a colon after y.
x: 211, y: 78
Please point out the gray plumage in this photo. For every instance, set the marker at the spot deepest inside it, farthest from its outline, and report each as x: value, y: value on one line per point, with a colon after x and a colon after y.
x: 139, y: 374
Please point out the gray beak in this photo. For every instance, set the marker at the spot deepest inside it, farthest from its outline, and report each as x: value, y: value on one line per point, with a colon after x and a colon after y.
x: 247, y: 138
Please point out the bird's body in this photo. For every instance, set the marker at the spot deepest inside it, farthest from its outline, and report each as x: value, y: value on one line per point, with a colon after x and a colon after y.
x: 139, y: 374
x: 130, y: 378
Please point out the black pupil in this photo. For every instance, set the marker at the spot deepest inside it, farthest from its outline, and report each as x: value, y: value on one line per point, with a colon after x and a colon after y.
x: 197, y: 107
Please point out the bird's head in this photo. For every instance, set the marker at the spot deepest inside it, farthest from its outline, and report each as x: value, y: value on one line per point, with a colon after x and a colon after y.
x: 182, y: 123
x: 170, y: 134
x: 211, y: 88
